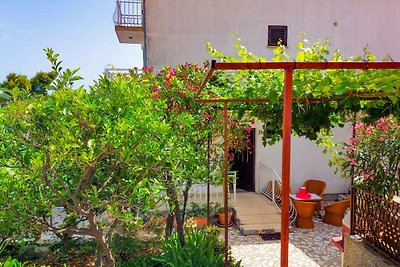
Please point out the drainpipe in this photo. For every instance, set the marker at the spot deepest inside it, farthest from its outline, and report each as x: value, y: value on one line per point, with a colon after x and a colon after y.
x: 145, y: 33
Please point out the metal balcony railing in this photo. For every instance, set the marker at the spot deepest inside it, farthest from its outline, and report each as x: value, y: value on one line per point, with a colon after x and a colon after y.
x: 271, y: 186
x: 128, y: 13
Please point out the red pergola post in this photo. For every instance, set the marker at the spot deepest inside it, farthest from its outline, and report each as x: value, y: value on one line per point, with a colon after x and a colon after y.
x: 226, y: 180
x: 286, y: 141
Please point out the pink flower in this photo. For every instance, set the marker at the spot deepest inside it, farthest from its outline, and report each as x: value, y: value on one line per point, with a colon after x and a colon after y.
x: 206, y: 116
x: 359, y: 126
x: 349, y: 148
x: 369, y: 130
x: 381, y: 139
x: 352, y: 140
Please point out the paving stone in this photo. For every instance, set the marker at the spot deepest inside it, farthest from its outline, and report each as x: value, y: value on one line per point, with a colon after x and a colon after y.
x: 306, y: 247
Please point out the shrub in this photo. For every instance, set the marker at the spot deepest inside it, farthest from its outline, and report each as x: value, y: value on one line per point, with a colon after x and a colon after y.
x: 130, y: 251
x: 10, y: 262
x: 196, y: 209
x: 202, y: 248
x: 372, y: 158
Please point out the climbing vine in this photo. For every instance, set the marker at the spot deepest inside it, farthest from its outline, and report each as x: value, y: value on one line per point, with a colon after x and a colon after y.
x: 322, y: 98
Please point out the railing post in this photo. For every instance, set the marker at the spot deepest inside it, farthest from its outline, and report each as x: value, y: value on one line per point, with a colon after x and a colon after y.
x: 352, y: 210
x: 273, y: 189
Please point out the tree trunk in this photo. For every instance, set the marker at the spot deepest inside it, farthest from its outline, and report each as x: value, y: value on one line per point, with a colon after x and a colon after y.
x: 99, y: 258
x: 173, y: 202
x: 104, y: 254
x: 169, y: 225
x: 185, y: 198
x: 179, y: 223
x: 106, y: 251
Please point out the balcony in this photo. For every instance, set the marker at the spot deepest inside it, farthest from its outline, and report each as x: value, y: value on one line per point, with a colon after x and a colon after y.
x: 129, y: 21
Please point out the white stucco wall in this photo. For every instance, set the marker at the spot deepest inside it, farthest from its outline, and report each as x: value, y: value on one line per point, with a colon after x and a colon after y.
x: 307, y: 161
x: 178, y: 30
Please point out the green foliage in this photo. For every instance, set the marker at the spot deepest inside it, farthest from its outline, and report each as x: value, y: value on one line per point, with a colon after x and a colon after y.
x: 344, y: 91
x: 200, y: 249
x: 20, y: 87
x: 41, y: 82
x: 197, y: 209
x: 87, y: 151
x: 64, y: 79
x: 372, y: 157
x: 130, y: 251
x: 3, y: 244
x: 203, y: 247
x: 103, y: 152
x: 10, y: 262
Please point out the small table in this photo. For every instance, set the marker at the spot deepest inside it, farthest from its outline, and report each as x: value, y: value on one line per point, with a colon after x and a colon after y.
x: 313, y: 198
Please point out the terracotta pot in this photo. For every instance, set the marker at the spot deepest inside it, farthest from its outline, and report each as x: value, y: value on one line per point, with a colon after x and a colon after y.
x: 221, y: 218
x: 164, y: 219
x: 200, y: 221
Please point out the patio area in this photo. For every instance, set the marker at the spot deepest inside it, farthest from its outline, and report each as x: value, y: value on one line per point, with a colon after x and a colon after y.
x: 307, y: 247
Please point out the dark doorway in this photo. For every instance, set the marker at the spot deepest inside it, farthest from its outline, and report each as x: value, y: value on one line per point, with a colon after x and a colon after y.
x: 244, y: 164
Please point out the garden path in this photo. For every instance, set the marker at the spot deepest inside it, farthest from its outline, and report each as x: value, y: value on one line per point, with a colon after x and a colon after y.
x: 307, y: 247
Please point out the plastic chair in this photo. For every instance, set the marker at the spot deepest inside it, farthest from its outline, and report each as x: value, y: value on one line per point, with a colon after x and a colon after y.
x: 305, y: 211
x: 334, y: 213
x: 316, y: 187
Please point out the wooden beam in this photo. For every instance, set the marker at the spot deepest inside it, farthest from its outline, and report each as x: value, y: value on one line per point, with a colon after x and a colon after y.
x: 362, y: 65
x: 286, y: 142
x: 206, y: 77
x: 299, y: 99
x: 226, y: 247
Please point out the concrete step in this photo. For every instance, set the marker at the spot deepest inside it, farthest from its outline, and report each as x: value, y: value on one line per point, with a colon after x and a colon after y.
x: 255, y: 214
x: 257, y: 211
x: 256, y: 229
x: 260, y: 219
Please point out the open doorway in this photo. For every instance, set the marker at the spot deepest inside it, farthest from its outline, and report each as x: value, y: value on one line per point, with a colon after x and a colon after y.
x: 244, y: 164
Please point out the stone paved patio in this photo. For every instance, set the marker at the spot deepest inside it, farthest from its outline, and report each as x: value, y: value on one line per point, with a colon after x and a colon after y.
x: 306, y: 247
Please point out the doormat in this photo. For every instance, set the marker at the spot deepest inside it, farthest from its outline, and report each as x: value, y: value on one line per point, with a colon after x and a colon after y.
x: 271, y: 236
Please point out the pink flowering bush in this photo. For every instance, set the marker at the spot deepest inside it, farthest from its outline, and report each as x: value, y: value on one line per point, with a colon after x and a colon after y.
x: 373, y: 157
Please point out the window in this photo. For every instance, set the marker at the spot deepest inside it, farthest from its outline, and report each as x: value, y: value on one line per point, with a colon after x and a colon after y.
x: 277, y: 33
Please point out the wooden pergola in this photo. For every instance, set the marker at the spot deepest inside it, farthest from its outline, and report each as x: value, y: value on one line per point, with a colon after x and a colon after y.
x: 288, y: 68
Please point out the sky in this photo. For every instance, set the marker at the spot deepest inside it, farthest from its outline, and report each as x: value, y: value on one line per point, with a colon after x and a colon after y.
x: 81, y: 31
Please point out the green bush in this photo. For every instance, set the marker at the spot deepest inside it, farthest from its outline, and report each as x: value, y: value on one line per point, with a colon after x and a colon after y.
x: 201, y: 249
x: 129, y: 251
x: 196, y: 209
x: 10, y: 262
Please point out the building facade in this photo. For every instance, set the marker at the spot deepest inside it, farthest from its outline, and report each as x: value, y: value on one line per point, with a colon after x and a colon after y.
x: 176, y: 31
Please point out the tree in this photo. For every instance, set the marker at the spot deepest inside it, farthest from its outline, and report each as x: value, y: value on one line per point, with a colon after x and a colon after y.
x: 19, y: 86
x: 106, y: 152
x: 41, y: 82
x: 83, y: 151
x: 183, y: 151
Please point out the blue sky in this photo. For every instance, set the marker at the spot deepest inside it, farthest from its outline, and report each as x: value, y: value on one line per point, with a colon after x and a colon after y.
x: 82, y: 32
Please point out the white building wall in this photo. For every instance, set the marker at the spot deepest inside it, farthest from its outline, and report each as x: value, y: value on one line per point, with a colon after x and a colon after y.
x: 307, y: 161
x: 177, y: 32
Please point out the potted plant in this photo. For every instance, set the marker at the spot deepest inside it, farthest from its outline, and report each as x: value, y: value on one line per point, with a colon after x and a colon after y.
x: 219, y: 208
x: 199, y: 213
